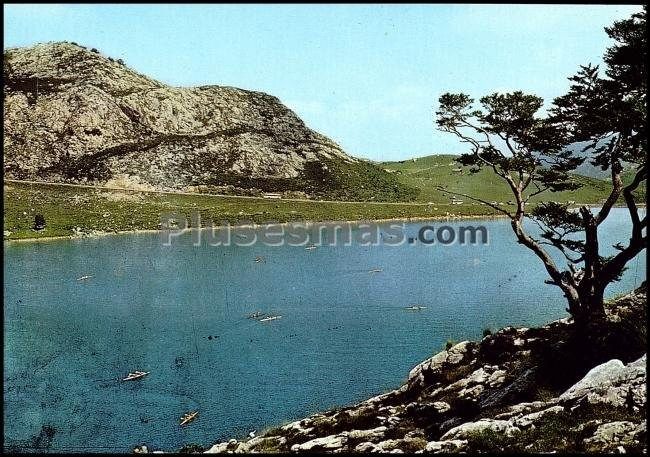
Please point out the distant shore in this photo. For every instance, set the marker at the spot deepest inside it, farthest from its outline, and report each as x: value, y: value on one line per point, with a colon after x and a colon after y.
x: 73, y: 212
x: 100, y: 234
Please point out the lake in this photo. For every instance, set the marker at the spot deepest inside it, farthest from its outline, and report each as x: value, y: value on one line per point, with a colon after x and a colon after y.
x: 180, y: 312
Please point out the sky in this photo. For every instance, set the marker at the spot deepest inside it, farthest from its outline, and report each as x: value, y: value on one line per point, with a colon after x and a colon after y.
x: 367, y: 76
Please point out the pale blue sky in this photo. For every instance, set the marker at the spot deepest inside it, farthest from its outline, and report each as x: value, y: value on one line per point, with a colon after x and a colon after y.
x: 367, y: 76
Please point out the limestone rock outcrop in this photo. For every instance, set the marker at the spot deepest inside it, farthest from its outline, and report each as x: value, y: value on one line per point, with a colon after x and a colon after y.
x: 73, y: 115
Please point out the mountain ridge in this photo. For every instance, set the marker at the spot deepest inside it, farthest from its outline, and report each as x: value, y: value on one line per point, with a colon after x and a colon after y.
x: 73, y: 115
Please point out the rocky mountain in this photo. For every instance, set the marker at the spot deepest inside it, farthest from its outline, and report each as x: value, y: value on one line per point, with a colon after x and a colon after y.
x: 74, y: 115
x: 519, y: 390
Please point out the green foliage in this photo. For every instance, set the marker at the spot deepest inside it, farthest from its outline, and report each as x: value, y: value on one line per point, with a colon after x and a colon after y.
x: 332, y: 180
x: 412, y: 445
x: 487, y: 332
x: 268, y: 446
x: 450, y: 344
x: 506, y: 135
x: 358, y: 181
x: 191, y: 448
x: 610, y: 112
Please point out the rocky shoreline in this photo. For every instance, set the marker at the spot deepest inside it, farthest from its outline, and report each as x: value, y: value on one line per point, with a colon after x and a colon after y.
x: 546, y: 389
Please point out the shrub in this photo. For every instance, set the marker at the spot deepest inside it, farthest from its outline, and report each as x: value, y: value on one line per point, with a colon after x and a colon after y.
x: 39, y: 222
x: 450, y: 343
x: 192, y: 448
x: 413, y: 445
x: 487, y: 332
x: 94, y: 50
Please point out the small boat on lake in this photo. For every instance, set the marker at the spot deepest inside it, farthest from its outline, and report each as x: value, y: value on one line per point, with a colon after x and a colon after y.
x: 270, y: 318
x: 415, y: 307
x: 259, y: 259
x: 376, y: 270
x: 311, y: 247
x: 189, y: 417
x: 256, y: 315
x: 83, y: 278
x: 136, y: 375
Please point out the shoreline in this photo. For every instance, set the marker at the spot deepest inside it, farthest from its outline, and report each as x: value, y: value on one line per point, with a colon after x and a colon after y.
x: 100, y: 234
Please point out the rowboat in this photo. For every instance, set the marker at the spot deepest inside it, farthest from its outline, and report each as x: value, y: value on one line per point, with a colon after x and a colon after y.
x: 189, y: 417
x: 270, y: 318
x: 136, y: 375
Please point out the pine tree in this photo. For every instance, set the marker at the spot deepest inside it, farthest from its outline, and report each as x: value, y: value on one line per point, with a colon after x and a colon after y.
x: 529, y: 154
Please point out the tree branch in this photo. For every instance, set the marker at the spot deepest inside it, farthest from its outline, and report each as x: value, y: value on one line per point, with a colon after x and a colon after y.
x: 442, y: 189
x: 617, y: 184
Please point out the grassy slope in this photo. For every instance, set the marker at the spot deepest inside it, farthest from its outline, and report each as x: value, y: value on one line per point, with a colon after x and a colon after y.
x: 330, y: 179
x: 427, y: 172
x: 97, y: 209
x: 65, y: 208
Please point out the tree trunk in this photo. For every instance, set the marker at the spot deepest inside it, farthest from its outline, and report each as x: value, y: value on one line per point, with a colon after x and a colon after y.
x: 591, y: 306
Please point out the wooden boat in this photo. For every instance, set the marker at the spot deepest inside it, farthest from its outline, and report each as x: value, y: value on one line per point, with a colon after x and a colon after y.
x: 136, y: 375
x: 270, y: 318
x: 189, y: 417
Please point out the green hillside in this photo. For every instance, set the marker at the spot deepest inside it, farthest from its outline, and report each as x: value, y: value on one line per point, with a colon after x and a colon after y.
x: 70, y: 209
x: 425, y: 173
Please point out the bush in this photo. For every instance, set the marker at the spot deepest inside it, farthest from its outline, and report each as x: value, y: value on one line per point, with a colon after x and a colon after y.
x: 487, y: 332
x: 413, y: 445
x: 450, y: 343
x: 39, y: 222
x: 192, y: 448
x: 94, y: 50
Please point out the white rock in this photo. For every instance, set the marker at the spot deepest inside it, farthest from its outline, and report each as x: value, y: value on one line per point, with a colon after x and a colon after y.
x: 370, y: 434
x: 528, y: 419
x: 365, y: 447
x: 611, y: 433
x: 441, y: 406
x: 610, y: 383
x: 468, y: 428
x: 325, y: 442
x: 445, y: 446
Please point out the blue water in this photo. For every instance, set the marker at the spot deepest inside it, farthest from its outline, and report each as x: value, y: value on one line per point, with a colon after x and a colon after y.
x: 344, y: 334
